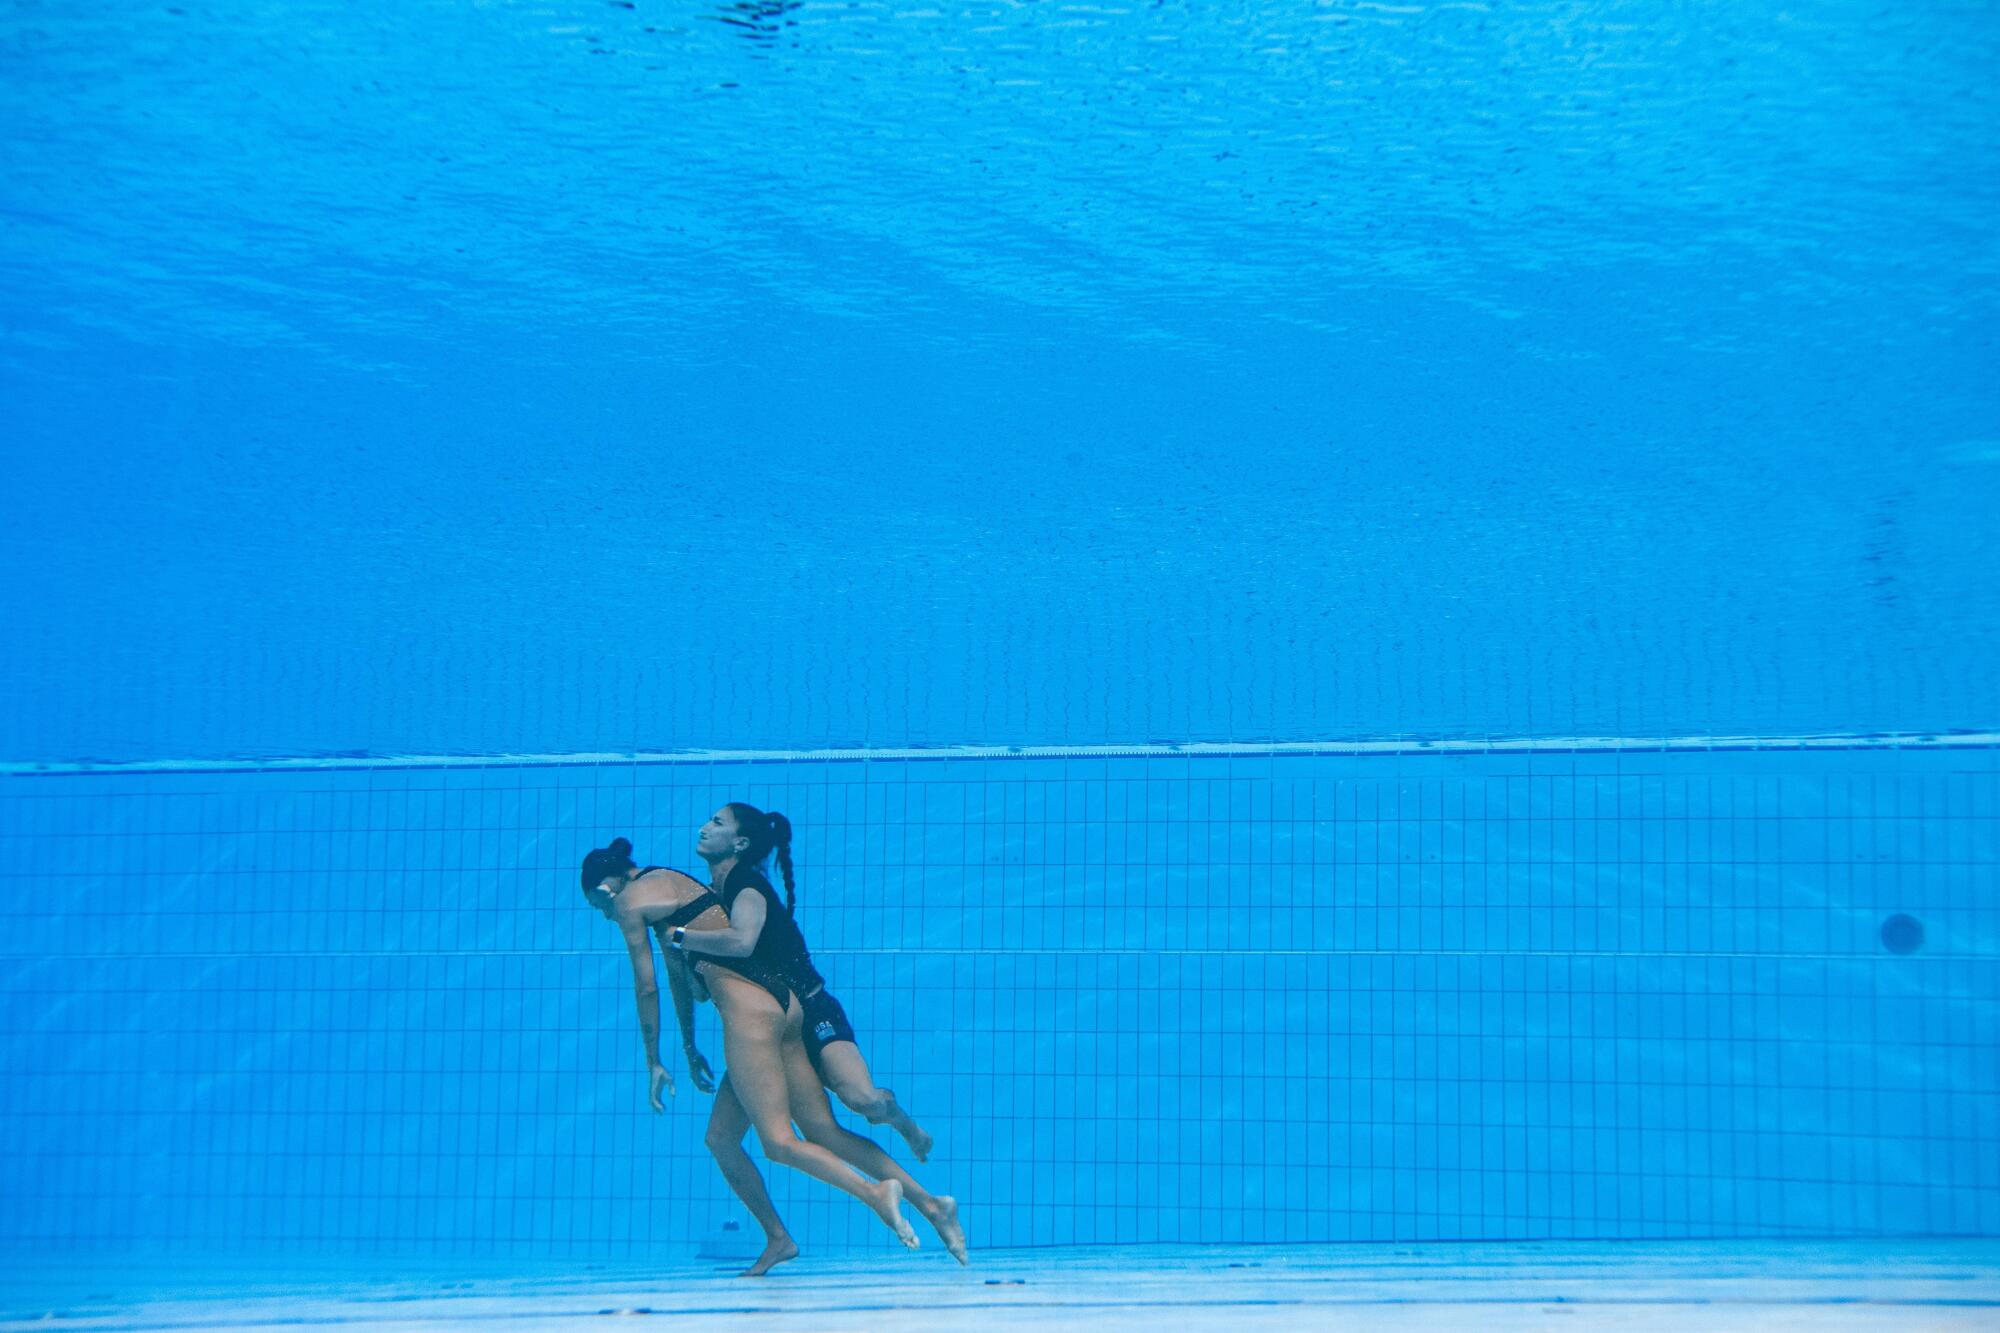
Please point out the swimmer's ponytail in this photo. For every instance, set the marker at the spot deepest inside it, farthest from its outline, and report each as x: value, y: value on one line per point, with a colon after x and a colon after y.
x: 781, y: 843
x: 767, y: 834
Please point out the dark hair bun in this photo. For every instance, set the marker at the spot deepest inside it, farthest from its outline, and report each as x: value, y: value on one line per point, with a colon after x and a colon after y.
x: 622, y: 846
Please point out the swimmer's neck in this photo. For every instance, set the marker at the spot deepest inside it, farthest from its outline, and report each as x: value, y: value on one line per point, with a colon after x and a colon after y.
x: 719, y: 870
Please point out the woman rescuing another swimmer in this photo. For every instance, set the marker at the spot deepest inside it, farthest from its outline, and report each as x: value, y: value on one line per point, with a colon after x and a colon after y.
x: 784, y: 1035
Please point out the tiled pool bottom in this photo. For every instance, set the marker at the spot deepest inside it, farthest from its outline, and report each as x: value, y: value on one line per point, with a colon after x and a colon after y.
x: 1677, y: 1285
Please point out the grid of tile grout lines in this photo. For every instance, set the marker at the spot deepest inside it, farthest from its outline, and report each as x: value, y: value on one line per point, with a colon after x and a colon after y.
x: 1138, y: 999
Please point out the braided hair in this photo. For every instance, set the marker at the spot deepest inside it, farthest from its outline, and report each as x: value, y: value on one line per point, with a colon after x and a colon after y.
x: 767, y: 833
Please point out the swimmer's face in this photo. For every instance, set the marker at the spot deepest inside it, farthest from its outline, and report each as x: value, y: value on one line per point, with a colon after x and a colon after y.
x: 718, y: 838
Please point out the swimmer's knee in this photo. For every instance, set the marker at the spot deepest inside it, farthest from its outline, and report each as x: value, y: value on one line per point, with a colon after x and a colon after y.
x: 721, y: 1142
x: 875, y: 1105
x: 786, y: 1149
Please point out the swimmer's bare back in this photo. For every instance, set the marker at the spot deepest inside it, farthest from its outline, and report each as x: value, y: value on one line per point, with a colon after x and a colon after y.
x: 656, y: 895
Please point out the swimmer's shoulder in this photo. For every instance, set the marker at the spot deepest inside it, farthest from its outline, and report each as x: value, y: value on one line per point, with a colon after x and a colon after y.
x: 660, y: 892
x: 685, y: 884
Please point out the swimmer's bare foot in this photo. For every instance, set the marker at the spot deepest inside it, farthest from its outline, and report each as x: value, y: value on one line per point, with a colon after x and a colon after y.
x: 913, y: 1134
x: 775, y: 1253
x: 943, y: 1214
x: 888, y: 1111
x: 888, y: 1205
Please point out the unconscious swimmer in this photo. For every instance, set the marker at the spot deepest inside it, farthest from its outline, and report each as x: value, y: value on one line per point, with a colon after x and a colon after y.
x: 785, y: 1036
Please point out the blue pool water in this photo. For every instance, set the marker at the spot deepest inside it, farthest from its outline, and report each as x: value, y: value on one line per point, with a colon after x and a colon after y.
x: 1372, y: 615
x: 392, y: 378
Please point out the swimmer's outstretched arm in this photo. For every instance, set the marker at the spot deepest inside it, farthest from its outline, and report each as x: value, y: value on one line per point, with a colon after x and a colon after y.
x: 735, y: 940
x: 639, y: 946
x: 681, y: 987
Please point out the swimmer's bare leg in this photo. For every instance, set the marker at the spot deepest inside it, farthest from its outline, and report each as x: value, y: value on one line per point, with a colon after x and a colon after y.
x: 814, y: 1117
x: 847, y: 1074
x: 727, y: 1124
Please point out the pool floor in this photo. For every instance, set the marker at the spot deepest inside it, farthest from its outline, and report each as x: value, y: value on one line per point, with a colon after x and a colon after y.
x: 1679, y: 1285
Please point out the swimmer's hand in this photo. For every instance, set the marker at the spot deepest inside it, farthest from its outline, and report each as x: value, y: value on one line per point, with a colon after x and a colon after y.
x: 661, y: 1079
x: 704, y: 1077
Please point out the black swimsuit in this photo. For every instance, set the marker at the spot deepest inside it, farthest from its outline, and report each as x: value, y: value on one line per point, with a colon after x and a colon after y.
x: 825, y: 1023
x: 688, y: 910
x: 779, y: 962
x: 782, y: 956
